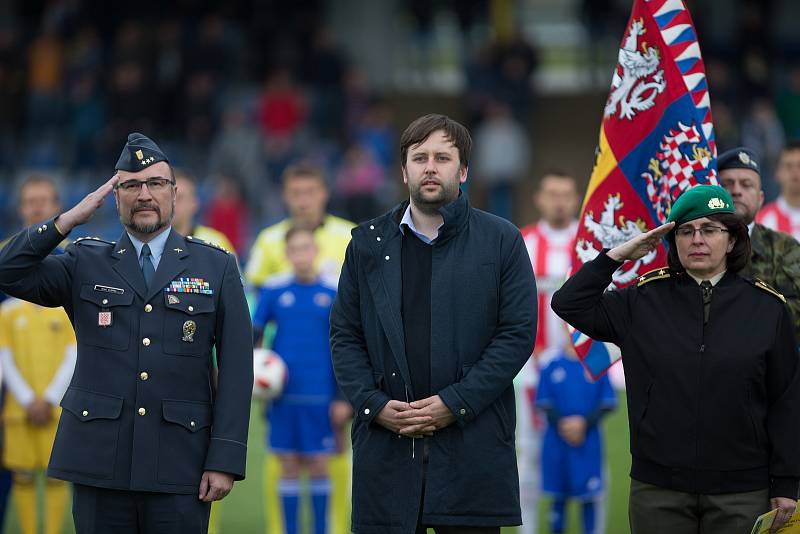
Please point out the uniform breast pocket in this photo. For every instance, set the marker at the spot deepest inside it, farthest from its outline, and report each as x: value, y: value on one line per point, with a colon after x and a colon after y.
x: 188, y: 323
x: 103, y: 319
x: 183, y: 441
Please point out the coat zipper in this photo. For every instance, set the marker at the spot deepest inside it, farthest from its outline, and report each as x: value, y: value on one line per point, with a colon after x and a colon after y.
x: 413, y: 440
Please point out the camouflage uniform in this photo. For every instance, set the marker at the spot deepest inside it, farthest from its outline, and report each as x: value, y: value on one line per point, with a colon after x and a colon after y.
x: 776, y: 261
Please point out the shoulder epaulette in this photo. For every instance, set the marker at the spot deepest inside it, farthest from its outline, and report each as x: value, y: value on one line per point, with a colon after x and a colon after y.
x: 760, y: 284
x: 94, y: 241
x: 655, y: 274
x: 192, y: 239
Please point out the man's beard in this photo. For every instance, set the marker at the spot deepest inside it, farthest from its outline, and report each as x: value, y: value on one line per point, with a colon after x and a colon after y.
x: 431, y: 204
x: 145, y: 229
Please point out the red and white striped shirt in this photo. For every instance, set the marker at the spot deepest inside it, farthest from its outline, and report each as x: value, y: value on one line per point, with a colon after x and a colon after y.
x: 550, y: 251
x: 781, y: 217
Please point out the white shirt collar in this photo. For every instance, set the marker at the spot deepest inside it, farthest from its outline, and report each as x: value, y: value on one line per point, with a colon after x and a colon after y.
x: 408, y: 221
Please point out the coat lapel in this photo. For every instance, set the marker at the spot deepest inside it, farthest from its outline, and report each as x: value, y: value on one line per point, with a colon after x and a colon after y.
x: 386, y: 284
x: 127, y: 264
x: 172, y: 263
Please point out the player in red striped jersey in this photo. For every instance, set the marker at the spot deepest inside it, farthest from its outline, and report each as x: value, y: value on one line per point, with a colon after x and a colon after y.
x: 550, y: 242
x: 783, y: 215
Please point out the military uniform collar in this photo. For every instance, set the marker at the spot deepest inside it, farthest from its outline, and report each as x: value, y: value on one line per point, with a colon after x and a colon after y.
x: 714, y: 279
x: 156, y: 244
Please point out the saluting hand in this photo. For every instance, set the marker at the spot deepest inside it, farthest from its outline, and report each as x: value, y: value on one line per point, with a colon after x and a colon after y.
x: 640, y: 245
x: 83, y: 210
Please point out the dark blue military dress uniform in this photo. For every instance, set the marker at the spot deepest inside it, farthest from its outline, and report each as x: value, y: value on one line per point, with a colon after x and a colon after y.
x: 142, y: 413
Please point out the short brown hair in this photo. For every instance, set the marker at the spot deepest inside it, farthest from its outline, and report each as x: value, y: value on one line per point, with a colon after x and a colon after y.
x: 297, y: 230
x: 422, y: 128
x: 303, y: 169
x: 556, y: 173
x: 183, y: 174
x: 35, y: 179
x: 791, y: 145
x: 739, y: 256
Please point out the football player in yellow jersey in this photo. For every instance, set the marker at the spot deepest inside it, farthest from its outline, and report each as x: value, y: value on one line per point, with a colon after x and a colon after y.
x: 186, y: 207
x: 306, y: 196
x: 37, y: 354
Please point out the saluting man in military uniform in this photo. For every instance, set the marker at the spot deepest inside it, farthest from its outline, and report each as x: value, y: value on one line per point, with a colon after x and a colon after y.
x: 775, y: 256
x: 146, y: 437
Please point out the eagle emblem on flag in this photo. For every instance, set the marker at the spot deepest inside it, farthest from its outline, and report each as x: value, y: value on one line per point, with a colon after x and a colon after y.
x: 656, y: 141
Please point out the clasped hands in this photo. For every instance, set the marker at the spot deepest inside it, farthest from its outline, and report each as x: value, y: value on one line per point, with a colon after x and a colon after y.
x: 415, y: 419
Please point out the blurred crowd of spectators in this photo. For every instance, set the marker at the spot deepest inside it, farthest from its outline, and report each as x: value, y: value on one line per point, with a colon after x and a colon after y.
x: 235, y: 93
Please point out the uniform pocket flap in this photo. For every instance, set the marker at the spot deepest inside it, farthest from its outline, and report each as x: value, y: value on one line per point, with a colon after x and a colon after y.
x: 88, y: 405
x: 191, y: 415
x: 189, y: 303
x: 105, y: 299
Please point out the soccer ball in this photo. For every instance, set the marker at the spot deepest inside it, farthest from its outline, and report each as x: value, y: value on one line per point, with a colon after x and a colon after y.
x: 269, y: 374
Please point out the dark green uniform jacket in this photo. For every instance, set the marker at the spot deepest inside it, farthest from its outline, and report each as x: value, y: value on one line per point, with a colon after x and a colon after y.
x: 141, y: 412
x: 711, y: 410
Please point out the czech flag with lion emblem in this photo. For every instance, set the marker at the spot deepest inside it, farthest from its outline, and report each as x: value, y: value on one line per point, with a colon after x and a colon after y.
x: 656, y: 141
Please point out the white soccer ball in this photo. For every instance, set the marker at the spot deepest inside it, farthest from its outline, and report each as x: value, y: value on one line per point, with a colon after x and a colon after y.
x: 269, y: 374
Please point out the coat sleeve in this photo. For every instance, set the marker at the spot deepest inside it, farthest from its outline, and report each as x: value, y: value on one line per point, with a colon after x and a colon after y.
x: 29, y: 272
x: 584, y: 303
x: 783, y: 397
x: 227, y: 450
x: 351, y: 362
x: 510, y: 346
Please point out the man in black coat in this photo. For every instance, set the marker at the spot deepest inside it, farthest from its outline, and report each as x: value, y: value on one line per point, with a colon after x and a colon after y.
x: 435, y: 315
x: 146, y: 435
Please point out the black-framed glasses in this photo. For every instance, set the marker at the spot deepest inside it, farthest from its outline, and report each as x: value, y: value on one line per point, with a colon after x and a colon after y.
x: 155, y: 185
x: 706, y: 232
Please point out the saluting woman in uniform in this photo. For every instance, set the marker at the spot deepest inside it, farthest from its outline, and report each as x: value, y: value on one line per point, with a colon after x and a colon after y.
x: 711, y: 368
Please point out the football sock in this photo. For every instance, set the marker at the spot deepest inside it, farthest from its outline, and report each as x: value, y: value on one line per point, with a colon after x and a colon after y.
x: 289, y: 490
x: 25, y: 501
x: 56, y: 495
x: 320, y: 491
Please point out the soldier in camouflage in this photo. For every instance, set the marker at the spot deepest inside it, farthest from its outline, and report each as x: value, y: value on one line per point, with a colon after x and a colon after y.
x: 775, y: 256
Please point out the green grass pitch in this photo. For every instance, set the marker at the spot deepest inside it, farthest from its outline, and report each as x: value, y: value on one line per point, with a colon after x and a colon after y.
x: 243, y: 512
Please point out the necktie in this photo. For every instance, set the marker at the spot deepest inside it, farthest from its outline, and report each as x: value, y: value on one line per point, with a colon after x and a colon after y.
x: 147, y: 265
x: 707, y: 288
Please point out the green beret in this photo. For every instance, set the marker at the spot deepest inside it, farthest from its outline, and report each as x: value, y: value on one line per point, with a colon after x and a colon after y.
x: 139, y: 153
x: 700, y: 201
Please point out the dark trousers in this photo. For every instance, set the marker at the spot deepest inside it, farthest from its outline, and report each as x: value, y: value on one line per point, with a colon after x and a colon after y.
x: 655, y: 510
x: 106, y: 511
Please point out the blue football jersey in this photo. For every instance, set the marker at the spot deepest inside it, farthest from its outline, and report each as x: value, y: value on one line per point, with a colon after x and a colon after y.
x: 301, y: 313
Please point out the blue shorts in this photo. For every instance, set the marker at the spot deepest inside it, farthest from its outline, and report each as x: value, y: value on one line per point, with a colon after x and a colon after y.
x: 572, y: 471
x: 300, y: 428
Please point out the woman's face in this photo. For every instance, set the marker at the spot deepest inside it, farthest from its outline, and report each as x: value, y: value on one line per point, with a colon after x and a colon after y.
x: 703, y: 245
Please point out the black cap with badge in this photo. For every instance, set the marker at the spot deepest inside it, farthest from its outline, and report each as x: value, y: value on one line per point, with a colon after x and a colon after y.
x: 738, y: 158
x: 139, y: 153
